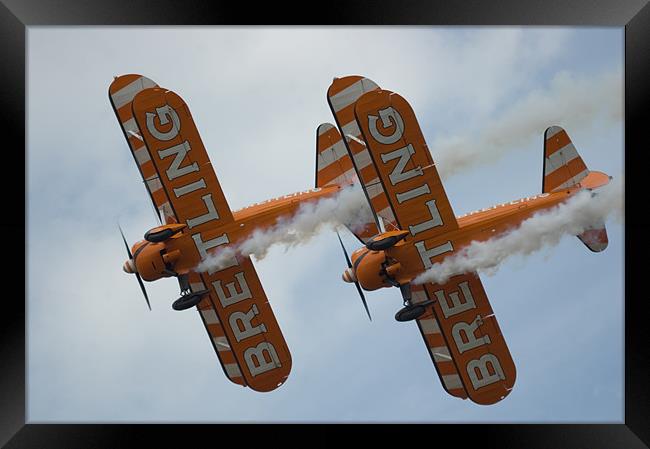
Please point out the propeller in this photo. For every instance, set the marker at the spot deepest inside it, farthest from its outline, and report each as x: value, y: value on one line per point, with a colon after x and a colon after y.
x: 137, y: 275
x: 347, y: 258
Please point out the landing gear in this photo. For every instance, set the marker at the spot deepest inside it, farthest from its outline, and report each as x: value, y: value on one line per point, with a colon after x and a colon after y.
x: 410, y: 311
x: 189, y: 300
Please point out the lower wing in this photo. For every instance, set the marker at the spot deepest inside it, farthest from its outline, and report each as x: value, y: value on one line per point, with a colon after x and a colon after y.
x: 242, y: 326
x: 464, y: 340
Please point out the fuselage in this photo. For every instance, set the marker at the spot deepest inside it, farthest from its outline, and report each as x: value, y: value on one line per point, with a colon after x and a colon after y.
x: 403, y: 262
x: 178, y: 255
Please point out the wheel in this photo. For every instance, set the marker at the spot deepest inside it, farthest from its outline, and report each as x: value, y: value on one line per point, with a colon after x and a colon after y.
x: 410, y: 313
x: 187, y: 301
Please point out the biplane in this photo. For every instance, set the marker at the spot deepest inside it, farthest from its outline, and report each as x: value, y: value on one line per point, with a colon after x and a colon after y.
x: 194, y: 219
x: 415, y: 227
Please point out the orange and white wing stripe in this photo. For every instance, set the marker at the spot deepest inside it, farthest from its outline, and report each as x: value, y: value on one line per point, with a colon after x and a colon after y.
x: 563, y: 166
x: 216, y: 332
x: 121, y: 93
x: 342, y: 96
x: 437, y: 347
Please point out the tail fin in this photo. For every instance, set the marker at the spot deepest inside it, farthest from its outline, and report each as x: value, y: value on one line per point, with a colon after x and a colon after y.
x: 564, y: 168
x: 334, y: 167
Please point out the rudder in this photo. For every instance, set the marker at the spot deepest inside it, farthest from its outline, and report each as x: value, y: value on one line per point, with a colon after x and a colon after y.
x: 563, y: 166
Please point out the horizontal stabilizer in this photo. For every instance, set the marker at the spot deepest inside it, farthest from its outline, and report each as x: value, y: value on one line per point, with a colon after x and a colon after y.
x: 595, y: 239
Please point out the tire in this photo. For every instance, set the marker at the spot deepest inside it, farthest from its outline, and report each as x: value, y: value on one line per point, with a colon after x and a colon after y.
x: 187, y: 301
x: 409, y: 313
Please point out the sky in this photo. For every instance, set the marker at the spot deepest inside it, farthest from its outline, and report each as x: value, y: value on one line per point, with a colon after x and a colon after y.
x: 483, y: 97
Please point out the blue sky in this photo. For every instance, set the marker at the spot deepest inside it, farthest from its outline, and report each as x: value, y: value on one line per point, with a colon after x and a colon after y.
x: 96, y: 354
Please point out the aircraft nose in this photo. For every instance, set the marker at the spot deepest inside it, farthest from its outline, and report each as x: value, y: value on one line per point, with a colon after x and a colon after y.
x: 129, y: 267
x: 348, y: 275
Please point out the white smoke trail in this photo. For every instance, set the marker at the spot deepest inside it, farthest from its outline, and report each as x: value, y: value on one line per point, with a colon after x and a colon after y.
x: 569, y: 101
x: 348, y: 207
x: 544, y: 229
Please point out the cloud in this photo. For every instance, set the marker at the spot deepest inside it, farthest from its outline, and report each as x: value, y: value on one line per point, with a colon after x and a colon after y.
x: 571, y: 101
x: 544, y: 229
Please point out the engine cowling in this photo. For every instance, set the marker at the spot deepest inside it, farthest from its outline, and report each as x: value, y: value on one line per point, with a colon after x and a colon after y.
x: 153, y: 260
x: 367, y: 269
x: 149, y: 261
x: 373, y: 267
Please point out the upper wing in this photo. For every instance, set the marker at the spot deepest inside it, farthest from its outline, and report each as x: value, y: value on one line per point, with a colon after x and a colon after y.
x: 406, y: 170
x: 342, y: 96
x: 183, y: 168
x: 121, y: 93
x: 462, y: 335
x: 251, y: 331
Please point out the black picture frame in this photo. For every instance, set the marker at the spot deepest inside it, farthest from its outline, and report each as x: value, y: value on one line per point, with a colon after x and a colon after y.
x: 634, y: 15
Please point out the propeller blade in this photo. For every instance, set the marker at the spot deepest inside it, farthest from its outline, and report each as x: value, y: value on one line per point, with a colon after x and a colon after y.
x: 128, y: 250
x: 137, y: 275
x: 363, y: 299
x: 144, y: 292
x: 344, y: 251
x: 356, y: 283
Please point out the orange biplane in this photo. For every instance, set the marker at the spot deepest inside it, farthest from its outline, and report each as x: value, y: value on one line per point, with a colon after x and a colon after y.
x: 417, y: 228
x: 195, y: 218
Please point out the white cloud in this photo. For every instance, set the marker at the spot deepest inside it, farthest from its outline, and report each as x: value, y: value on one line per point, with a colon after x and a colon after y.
x: 569, y: 101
